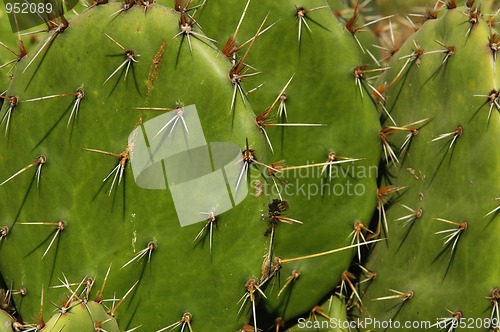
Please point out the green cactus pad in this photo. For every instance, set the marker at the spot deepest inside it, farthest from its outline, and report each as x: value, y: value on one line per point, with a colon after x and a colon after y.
x: 89, y: 316
x: 439, y: 261
x: 6, y: 321
x: 71, y: 224
x: 323, y: 91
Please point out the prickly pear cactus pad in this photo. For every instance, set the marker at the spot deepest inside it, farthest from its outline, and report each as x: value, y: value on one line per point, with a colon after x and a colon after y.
x: 70, y: 192
x: 87, y: 316
x: 95, y: 123
x: 310, y: 111
x: 439, y: 263
x: 6, y: 321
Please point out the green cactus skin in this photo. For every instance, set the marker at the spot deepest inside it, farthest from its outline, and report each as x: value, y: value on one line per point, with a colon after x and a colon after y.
x: 6, y: 322
x: 100, y: 229
x: 451, y: 178
x: 85, y: 317
x: 322, y: 91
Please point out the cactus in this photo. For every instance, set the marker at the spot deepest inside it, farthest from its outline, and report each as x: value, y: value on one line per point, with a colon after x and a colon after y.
x: 107, y: 118
x: 439, y: 263
x: 66, y: 223
x: 77, y: 318
x: 77, y: 108
x: 307, y: 47
x: 6, y: 321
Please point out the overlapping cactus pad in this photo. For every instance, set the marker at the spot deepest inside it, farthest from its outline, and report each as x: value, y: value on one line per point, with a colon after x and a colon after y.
x: 439, y: 263
x: 106, y: 120
x: 232, y: 165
